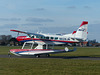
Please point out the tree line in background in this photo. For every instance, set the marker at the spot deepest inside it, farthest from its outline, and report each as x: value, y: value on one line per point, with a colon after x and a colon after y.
x: 8, y: 40
x: 4, y: 39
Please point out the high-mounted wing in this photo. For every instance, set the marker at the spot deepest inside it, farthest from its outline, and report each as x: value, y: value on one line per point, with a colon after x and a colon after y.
x: 18, y: 31
x: 28, y: 33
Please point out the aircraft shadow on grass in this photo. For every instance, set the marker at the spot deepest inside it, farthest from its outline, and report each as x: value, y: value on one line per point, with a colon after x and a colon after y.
x: 94, y: 57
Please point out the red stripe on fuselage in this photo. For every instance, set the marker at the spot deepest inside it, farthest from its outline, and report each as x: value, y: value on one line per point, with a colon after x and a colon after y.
x: 19, y: 50
x: 24, y: 38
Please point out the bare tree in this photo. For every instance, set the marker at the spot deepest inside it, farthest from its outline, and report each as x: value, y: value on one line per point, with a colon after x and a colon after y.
x: 4, y: 39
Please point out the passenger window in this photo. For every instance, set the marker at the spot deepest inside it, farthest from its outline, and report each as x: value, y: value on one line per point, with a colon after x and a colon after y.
x: 47, y: 37
x: 32, y: 36
x: 68, y: 38
x: 42, y: 37
x: 56, y: 38
x: 37, y: 36
x: 60, y: 38
x: 64, y: 38
x: 51, y: 38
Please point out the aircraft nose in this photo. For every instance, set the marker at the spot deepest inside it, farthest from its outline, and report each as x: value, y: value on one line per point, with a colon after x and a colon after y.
x: 13, y: 50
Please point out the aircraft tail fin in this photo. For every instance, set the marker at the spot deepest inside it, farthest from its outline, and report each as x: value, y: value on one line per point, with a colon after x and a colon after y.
x: 81, y: 33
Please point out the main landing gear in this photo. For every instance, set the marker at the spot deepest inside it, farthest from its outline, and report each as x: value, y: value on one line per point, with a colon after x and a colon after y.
x: 9, y: 54
x: 38, y: 56
x: 48, y: 55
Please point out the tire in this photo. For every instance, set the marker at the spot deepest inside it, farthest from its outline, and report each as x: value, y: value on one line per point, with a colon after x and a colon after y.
x: 37, y: 56
x: 48, y: 55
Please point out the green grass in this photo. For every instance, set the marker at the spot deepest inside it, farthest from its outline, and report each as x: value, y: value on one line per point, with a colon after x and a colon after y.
x: 5, y: 49
x: 91, y: 52
x: 88, y: 51
x: 46, y: 66
x: 30, y: 66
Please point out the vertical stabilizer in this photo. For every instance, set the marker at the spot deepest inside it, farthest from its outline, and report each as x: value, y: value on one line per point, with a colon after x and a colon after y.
x: 81, y: 33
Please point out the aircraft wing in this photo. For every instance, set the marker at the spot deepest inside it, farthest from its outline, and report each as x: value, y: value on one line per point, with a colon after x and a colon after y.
x: 39, y: 52
x: 28, y: 33
x: 21, y: 52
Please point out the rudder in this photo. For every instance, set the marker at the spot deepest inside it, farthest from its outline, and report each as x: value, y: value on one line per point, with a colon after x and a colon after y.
x: 81, y: 33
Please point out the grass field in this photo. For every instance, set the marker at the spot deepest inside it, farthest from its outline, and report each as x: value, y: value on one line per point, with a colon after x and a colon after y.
x: 51, y: 66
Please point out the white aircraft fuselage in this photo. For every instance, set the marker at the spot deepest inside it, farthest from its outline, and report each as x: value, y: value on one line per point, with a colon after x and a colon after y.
x: 75, y: 37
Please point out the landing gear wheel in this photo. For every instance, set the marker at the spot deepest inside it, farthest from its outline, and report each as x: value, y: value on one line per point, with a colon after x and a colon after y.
x: 37, y: 56
x: 48, y: 55
x: 9, y: 54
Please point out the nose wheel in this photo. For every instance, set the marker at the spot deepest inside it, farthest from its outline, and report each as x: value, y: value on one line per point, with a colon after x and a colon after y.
x: 37, y: 56
x: 9, y: 54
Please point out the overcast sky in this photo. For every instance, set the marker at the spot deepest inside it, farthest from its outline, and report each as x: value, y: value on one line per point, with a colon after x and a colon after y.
x: 49, y: 16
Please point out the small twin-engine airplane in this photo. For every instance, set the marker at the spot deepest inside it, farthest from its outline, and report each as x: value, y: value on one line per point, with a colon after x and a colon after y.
x: 44, y: 43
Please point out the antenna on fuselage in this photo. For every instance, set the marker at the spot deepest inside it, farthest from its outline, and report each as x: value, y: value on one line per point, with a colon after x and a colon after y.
x: 17, y: 34
x: 37, y: 29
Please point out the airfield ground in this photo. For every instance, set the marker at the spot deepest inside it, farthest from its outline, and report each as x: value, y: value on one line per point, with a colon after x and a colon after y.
x: 84, y: 61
